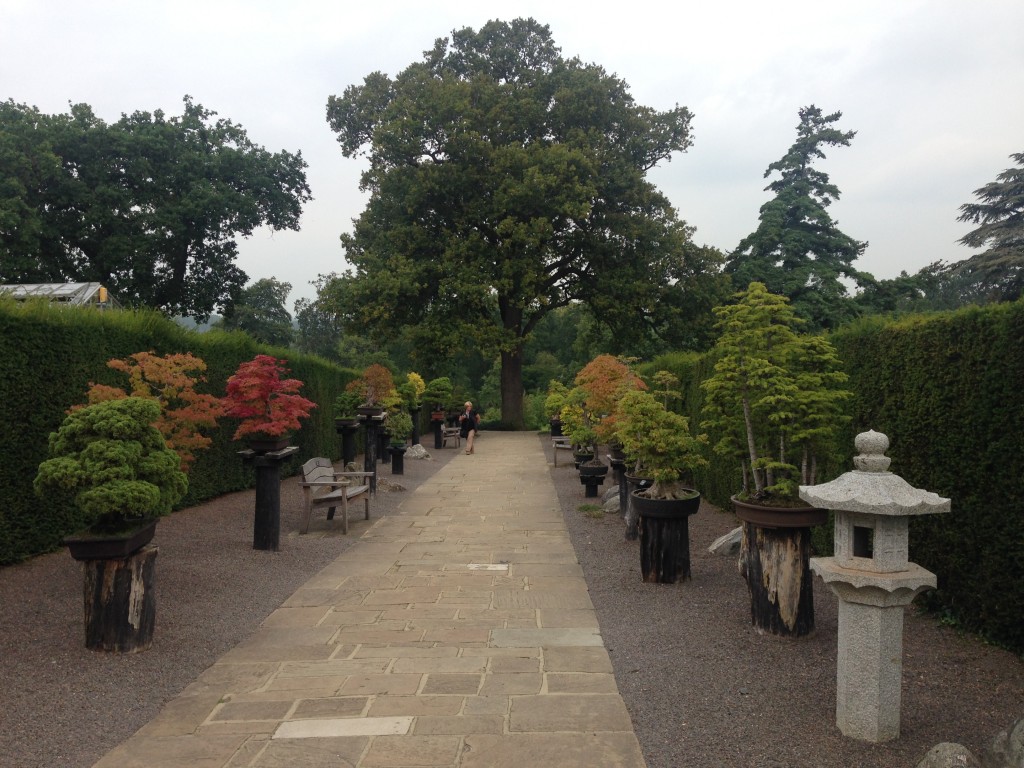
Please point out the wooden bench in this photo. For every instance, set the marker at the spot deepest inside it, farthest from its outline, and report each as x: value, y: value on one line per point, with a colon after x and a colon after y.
x: 560, y: 444
x: 450, y: 433
x: 324, y: 486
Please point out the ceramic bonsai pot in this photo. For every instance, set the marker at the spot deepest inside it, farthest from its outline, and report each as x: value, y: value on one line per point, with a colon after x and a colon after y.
x: 105, y: 546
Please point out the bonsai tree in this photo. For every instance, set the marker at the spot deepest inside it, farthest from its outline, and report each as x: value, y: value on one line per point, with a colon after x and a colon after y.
x: 774, y: 398
x: 438, y: 393
x: 660, y: 443
x: 555, y: 399
x: 590, y: 407
x: 378, y: 387
x: 348, y: 401
x: 398, y: 425
x: 667, y: 384
x: 268, y: 404
x: 411, y: 390
x: 171, y: 381
x: 114, y: 463
x: 577, y: 424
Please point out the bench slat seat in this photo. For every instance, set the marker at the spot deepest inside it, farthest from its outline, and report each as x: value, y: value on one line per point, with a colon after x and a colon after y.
x: 323, y: 486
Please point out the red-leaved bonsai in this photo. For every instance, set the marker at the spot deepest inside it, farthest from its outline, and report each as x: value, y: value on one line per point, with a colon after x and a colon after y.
x: 268, y: 403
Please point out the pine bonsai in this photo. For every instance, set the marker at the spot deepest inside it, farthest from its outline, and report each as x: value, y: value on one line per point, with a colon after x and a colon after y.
x: 774, y: 398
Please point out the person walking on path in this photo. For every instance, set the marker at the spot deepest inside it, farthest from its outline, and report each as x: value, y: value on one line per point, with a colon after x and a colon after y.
x: 469, y: 420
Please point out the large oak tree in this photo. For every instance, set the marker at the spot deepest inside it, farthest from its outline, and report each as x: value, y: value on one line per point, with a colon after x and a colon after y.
x: 506, y: 181
x: 151, y: 205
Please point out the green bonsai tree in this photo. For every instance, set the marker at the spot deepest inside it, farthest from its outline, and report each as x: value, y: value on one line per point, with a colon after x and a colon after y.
x: 346, y: 403
x: 774, y: 399
x: 114, y: 464
x: 555, y: 399
x: 660, y: 443
x: 398, y: 425
x: 438, y: 393
x: 577, y: 425
x: 411, y: 390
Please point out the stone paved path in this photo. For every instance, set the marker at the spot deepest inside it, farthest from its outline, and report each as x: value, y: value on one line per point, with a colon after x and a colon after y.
x: 457, y: 632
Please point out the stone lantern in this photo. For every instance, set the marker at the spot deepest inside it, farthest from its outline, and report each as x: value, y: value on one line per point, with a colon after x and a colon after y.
x: 874, y: 580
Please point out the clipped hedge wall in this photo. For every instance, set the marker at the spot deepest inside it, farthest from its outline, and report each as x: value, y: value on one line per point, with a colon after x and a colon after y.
x: 51, y: 354
x: 948, y: 391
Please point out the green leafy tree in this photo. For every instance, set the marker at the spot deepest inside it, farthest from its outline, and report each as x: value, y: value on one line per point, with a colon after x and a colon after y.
x: 319, y: 331
x: 797, y: 250
x: 999, y: 269
x: 260, y: 312
x: 938, y: 286
x: 773, y: 400
x: 28, y: 167
x: 505, y: 182
x: 150, y: 206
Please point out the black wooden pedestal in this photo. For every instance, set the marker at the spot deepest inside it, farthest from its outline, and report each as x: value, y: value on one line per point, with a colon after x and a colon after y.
x: 372, y: 425
x: 266, y: 526
x: 348, y: 434
x: 415, y: 413
x: 398, y: 459
x: 633, y: 483
x: 665, y: 537
x: 591, y: 482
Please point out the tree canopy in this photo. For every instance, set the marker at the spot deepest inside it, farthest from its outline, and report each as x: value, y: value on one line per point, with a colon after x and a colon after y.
x: 797, y: 250
x: 150, y: 206
x: 1000, y: 214
x: 260, y: 312
x: 506, y: 181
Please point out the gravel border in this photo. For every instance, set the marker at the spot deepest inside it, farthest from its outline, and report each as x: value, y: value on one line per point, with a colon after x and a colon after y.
x: 64, y: 705
x: 704, y: 689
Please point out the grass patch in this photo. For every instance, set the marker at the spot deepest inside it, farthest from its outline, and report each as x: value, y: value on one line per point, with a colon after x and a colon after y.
x: 593, y: 511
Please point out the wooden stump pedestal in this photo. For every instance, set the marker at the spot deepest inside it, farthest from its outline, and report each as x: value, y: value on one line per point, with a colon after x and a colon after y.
x: 775, y: 562
x: 665, y: 538
x: 120, y: 601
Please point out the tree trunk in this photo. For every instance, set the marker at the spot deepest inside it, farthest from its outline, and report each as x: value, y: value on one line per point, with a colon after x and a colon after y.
x: 752, y: 446
x: 512, y: 388
x: 775, y: 564
x: 120, y: 602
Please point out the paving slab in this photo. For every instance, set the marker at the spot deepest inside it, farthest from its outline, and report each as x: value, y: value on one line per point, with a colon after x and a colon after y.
x: 457, y: 631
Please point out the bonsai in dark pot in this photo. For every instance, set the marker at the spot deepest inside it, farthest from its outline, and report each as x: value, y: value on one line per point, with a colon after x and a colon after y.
x: 270, y: 408
x: 660, y: 443
x: 114, y: 466
x: 398, y: 425
x: 774, y: 402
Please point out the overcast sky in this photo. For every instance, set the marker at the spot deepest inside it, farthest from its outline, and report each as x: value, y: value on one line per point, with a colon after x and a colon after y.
x: 933, y: 89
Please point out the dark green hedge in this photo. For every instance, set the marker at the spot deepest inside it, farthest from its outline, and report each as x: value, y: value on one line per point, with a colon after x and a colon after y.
x: 51, y: 354
x: 948, y: 390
